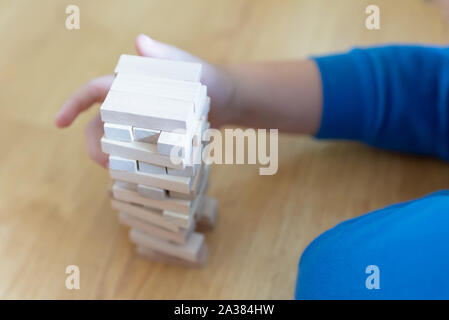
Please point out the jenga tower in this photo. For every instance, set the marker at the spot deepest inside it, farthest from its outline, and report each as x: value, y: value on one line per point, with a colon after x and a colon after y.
x: 154, y: 117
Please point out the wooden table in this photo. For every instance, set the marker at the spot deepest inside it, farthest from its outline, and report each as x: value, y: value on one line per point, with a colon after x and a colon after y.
x: 54, y: 210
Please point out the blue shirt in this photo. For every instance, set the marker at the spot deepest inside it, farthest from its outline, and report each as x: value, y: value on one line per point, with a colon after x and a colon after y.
x: 393, y: 97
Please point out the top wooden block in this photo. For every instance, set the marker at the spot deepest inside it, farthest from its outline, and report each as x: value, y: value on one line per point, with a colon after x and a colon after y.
x: 169, y: 69
x: 147, y: 111
x: 166, y: 88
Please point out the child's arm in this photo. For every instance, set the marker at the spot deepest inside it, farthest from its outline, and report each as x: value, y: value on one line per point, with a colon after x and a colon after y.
x: 390, y: 97
x: 286, y: 95
x: 282, y: 95
x: 393, y: 97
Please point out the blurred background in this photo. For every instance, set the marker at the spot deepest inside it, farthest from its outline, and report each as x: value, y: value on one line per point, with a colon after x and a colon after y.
x: 54, y: 210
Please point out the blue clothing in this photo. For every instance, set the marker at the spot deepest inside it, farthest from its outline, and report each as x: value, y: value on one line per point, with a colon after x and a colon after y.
x: 408, y: 242
x: 397, y: 98
x: 394, y: 97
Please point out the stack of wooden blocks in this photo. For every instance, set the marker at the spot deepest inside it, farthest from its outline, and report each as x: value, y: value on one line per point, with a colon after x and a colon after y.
x: 154, y: 117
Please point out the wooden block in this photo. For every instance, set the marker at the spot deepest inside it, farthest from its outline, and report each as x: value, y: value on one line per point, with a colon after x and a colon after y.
x: 167, y: 259
x: 160, y: 87
x: 201, y: 175
x: 207, y: 216
x: 179, y: 195
x: 191, y: 166
x: 168, y: 140
x: 118, y: 132
x: 185, y: 207
x: 178, y: 219
x: 184, y: 141
x: 205, y: 137
x: 162, y: 181
x: 161, y: 68
x: 189, y: 171
x: 146, y: 111
x: 181, y: 219
x: 200, y: 178
x: 202, y: 123
x: 122, y: 164
x: 192, y: 195
x: 197, y: 136
x: 167, y: 235
x: 145, y: 135
x: 151, y: 192
x: 204, y: 107
x: 188, y: 251
x: 125, y: 185
x: 150, y: 168
x: 140, y: 151
x: 201, y: 102
x: 152, y: 216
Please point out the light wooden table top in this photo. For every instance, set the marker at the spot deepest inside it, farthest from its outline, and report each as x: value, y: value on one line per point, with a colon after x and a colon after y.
x: 53, y: 206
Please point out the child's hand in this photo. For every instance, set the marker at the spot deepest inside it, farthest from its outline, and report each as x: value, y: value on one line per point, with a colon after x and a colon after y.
x: 218, y: 84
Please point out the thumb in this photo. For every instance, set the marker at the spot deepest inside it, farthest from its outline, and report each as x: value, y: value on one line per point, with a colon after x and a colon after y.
x: 151, y: 48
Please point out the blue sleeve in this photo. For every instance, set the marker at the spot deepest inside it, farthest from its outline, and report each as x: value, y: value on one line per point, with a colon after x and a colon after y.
x: 398, y: 252
x: 393, y: 97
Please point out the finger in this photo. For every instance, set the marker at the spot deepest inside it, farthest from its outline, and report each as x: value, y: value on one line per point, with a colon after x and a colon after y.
x: 151, y: 48
x: 94, y: 132
x: 93, y: 91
